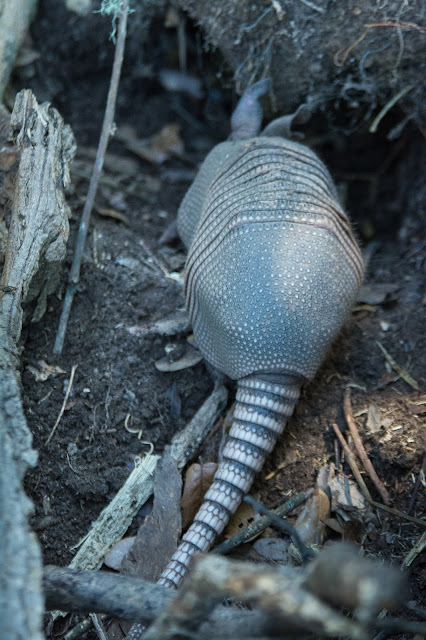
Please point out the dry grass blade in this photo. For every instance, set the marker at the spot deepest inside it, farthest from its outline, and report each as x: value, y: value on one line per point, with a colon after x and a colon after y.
x: 402, y: 372
x: 64, y: 404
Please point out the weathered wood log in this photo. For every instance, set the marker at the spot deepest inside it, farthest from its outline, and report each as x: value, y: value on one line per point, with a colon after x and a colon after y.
x: 37, y: 237
x: 39, y: 225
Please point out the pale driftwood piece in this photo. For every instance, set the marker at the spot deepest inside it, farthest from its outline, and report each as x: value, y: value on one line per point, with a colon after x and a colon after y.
x: 115, y: 519
x: 39, y: 226
x: 45, y: 147
x: 15, y: 18
x: 185, y: 444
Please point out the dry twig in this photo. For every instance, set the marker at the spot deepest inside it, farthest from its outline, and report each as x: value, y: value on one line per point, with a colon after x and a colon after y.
x: 107, y: 127
x: 256, y: 528
x: 421, y: 474
x: 97, y: 623
x: 352, y: 463
x: 360, y: 447
x: 277, y: 522
x: 388, y: 106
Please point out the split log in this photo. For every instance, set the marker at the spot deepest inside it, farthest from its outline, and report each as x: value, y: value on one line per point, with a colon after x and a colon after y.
x: 37, y: 237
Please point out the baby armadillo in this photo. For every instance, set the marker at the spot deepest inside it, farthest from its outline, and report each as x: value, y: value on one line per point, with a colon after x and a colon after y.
x: 272, y: 272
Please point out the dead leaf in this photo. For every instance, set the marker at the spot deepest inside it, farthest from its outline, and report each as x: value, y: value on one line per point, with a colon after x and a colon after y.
x: 373, y: 418
x: 345, y: 495
x: 198, y: 479
x: 244, y: 516
x: 44, y: 371
x: 377, y: 293
x: 310, y: 523
x: 181, y: 82
x: 189, y: 359
x: 156, y: 149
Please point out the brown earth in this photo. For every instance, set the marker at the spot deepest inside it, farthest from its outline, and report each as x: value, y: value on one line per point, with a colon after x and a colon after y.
x: 122, y: 287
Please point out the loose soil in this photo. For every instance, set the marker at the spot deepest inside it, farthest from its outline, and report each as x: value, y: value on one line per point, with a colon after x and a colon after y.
x: 123, y: 287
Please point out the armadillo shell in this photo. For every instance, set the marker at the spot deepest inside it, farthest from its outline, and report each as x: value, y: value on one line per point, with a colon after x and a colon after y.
x: 273, y: 267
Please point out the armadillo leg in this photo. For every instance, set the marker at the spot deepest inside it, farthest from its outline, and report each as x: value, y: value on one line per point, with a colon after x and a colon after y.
x: 247, y: 117
x: 263, y: 405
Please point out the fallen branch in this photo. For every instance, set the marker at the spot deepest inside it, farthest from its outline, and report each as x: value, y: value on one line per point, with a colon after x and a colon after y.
x: 133, y: 599
x: 282, y: 525
x: 104, y: 592
x: 280, y: 596
x: 396, y: 367
x: 36, y: 247
x: 286, y: 598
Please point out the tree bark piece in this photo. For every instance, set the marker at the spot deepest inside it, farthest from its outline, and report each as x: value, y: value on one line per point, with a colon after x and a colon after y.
x: 39, y: 226
x: 37, y: 237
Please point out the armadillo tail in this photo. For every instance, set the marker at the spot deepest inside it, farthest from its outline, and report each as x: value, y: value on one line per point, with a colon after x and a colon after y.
x: 263, y: 405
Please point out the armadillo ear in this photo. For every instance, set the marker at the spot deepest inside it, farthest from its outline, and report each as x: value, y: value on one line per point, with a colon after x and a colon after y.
x: 282, y: 126
x: 247, y: 117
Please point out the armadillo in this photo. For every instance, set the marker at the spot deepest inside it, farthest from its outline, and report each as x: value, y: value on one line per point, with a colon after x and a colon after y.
x: 273, y: 270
